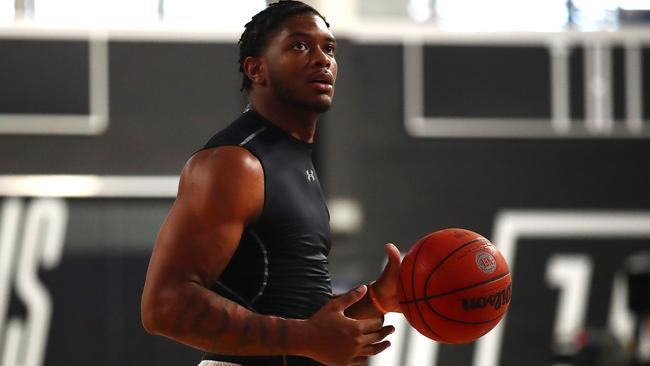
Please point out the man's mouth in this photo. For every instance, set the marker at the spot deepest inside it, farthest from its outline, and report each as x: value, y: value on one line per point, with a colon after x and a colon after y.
x: 323, y: 82
x: 323, y: 78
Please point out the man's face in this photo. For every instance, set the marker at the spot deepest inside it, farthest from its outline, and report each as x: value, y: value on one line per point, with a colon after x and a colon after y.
x: 301, y: 64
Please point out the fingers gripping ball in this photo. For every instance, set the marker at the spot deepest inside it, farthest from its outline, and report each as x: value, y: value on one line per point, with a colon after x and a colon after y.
x: 455, y: 286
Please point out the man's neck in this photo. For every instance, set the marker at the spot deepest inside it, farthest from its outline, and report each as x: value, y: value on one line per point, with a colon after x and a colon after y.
x: 297, y: 123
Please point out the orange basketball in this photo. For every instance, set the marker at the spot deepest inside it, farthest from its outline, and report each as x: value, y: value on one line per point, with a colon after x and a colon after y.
x: 456, y: 286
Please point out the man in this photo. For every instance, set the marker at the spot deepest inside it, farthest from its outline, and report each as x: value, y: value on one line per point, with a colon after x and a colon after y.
x: 240, y: 267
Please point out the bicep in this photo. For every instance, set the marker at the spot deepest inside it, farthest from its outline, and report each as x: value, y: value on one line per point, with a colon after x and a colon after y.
x: 218, y: 196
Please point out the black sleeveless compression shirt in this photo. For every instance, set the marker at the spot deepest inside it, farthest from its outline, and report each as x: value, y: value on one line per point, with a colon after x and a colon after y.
x: 280, y: 266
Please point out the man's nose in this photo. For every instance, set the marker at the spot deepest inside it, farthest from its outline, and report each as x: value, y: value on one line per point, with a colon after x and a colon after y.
x: 321, y: 58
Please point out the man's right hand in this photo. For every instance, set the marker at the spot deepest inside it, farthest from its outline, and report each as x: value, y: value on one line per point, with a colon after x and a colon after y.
x: 341, y: 341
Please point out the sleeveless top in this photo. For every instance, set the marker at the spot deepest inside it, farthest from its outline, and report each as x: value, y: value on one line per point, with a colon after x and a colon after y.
x: 280, y: 266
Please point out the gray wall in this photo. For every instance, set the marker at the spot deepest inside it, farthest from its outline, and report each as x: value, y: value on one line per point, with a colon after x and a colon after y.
x: 166, y: 100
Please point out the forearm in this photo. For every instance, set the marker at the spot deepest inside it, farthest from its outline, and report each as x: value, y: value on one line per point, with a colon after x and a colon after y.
x: 205, y: 320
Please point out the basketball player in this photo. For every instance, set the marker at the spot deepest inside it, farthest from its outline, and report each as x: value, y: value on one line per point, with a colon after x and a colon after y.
x: 240, y: 266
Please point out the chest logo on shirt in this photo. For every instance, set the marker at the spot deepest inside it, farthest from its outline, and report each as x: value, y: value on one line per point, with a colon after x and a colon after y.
x: 311, y: 175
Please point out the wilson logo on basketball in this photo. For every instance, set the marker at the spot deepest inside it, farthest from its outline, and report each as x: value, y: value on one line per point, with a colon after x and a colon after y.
x: 486, y: 262
x: 495, y: 300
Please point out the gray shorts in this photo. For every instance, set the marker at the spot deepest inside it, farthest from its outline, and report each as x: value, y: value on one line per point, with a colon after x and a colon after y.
x: 217, y: 363
x: 276, y: 359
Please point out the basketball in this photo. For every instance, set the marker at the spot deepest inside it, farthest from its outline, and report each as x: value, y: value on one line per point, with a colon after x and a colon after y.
x: 455, y: 286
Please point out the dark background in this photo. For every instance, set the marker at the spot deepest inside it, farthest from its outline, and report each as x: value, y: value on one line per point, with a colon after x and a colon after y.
x: 168, y: 98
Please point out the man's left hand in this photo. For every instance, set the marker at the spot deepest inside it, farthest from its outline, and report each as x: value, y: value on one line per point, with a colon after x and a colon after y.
x: 387, y: 287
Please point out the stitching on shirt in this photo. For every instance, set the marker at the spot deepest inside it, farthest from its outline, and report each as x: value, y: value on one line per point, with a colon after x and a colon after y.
x: 251, y: 136
x: 266, y: 268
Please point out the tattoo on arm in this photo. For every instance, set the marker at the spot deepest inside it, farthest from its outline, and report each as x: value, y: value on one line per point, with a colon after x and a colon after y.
x: 263, y: 331
x: 183, y: 316
x: 283, y: 337
x: 245, y: 336
x: 217, y: 324
x: 223, y: 320
x: 199, y: 319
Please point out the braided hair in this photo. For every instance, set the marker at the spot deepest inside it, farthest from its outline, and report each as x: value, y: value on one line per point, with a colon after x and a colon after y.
x: 260, y: 28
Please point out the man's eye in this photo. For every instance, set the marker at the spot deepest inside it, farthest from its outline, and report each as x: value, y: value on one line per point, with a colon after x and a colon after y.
x: 300, y: 46
x: 330, y: 49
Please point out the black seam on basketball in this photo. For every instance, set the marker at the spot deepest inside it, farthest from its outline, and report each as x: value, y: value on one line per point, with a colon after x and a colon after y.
x: 427, y: 324
x: 426, y: 283
x: 415, y: 260
x: 408, y: 309
x: 457, y: 290
x: 417, y: 308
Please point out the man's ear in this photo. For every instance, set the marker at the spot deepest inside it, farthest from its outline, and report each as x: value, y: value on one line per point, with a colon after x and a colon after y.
x: 255, y: 69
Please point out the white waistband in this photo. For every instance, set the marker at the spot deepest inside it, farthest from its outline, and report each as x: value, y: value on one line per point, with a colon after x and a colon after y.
x: 217, y: 363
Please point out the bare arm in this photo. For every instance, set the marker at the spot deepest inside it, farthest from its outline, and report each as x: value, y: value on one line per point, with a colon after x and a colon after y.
x: 221, y: 191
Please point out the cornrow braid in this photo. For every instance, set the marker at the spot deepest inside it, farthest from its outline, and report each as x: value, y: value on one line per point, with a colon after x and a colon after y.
x: 261, y: 27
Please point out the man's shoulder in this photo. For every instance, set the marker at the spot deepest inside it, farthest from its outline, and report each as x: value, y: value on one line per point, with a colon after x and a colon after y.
x: 237, y: 133
x: 230, y: 160
x: 229, y: 176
